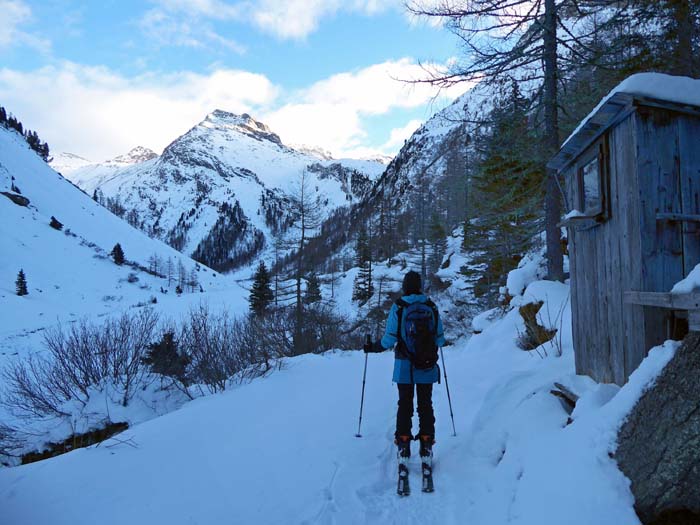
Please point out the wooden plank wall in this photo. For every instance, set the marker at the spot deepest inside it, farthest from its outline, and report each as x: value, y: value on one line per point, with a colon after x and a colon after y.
x: 660, y: 192
x: 689, y: 148
x: 630, y: 333
x: 604, y: 262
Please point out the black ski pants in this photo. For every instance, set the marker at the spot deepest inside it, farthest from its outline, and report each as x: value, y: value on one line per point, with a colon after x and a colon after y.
x: 404, y: 414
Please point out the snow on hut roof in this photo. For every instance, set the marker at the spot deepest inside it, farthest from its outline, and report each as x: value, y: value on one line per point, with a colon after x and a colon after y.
x: 643, y: 87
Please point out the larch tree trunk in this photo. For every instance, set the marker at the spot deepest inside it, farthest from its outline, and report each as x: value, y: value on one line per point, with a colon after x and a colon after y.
x: 555, y: 257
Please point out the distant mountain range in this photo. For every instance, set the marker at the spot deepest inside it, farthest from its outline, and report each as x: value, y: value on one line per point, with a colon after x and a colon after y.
x: 218, y: 192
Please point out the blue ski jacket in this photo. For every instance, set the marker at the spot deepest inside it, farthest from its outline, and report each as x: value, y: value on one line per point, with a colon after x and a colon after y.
x: 402, y: 366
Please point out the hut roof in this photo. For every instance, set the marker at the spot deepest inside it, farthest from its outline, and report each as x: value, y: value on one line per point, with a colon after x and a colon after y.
x: 652, y: 89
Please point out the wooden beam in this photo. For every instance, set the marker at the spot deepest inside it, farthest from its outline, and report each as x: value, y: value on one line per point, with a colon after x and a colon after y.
x: 581, y: 221
x: 679, y: 217
x: 664, y: 300
x: 687, y: 109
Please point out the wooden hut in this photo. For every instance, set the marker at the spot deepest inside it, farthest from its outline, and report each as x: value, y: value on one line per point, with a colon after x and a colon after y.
x: 631, y: 175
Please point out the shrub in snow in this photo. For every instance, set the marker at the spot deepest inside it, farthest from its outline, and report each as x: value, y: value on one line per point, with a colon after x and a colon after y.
x: 21, y: 284
x: 78, y: 359
x: 117, y: 254
x: 132, y: 278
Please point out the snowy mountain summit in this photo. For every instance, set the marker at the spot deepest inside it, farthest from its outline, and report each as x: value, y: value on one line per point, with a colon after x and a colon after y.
x: 242, y: 123
x: 135, y: 156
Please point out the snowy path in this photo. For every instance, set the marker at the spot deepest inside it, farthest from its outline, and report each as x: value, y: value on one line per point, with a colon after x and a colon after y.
x: 282, y: 450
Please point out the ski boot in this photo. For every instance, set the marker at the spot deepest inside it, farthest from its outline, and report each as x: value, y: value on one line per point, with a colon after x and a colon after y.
x: 426, y: 459
x: 403, y: 455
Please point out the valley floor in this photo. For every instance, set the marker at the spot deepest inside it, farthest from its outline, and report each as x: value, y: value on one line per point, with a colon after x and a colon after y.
x: 282, y: 448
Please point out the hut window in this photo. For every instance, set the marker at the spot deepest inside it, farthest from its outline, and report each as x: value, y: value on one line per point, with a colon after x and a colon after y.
x: 591, y: 184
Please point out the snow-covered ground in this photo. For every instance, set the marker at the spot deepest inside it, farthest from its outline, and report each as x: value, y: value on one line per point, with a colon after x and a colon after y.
x: 69, y: 272
x: 282, y: 448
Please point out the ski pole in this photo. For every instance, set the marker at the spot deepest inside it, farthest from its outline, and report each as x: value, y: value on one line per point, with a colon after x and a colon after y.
x: 447, y: 386
x: 362, y: 400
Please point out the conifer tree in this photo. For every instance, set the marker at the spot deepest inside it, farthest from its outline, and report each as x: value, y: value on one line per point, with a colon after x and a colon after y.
x: 261, y: 295
x: 181, y: 275
x: 170, y: 269
x: 193, y: 280
x: 508, y: 182
x: 165, y: 359
x: 313, y: 289
x: 21, y: 284
x: 438, y: 243
x: 117, y: 254
x: 362, y: 287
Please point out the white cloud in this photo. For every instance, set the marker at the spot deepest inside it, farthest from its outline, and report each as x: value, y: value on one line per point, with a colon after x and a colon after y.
x: 14, y: 14
x: 98, y: 114
x: 399, y: 135
x: 329, y: 113
x: 296, y: 19
x: 286, y: 19
x: 166, y: 28
x: 207, y: 8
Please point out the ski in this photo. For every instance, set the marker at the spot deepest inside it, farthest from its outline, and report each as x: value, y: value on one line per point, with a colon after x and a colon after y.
x: 427, y: 470
x: 403, y: 488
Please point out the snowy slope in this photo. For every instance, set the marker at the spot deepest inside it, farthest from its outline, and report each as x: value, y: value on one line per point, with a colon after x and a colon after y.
x: 226, y: 159
x: 282, y: 449
x: 68, y: 162
x: 69, y: 272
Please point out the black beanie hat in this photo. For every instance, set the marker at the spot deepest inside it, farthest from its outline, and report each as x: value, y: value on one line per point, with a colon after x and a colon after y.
x: 411, y: 283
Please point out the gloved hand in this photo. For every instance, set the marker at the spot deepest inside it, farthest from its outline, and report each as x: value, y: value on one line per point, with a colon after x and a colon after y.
x: 375, y: 347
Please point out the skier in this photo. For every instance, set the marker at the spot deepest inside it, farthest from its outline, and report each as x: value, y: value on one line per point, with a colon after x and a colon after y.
x: 415, y: 327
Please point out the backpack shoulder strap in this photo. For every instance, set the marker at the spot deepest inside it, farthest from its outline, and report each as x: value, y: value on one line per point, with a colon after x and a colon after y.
x: 434, y: 308
x: 401, y: 304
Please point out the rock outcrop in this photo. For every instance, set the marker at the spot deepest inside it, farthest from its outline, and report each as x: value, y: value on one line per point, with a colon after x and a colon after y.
x: 659, y: 444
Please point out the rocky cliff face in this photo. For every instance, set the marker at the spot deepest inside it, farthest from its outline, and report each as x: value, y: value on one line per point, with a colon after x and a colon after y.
x: 659, y: 444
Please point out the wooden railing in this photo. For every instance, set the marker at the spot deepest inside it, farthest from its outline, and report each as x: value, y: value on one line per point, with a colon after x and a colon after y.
x: 686, y: 301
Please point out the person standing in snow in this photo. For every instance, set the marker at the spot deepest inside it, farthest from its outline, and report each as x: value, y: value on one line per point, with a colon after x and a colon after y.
x: 414, y: 329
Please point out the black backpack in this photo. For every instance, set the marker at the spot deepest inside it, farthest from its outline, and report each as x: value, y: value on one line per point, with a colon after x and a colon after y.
x: 420, y: 321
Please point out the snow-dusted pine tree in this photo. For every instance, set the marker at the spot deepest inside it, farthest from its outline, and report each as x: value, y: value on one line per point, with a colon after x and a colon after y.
x: 21, y: 284
x: 313, y: 289
x: 117, y: 254
x: 261, y: 295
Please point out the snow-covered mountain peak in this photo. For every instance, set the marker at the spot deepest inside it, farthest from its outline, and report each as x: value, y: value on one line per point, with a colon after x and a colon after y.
x: 135, y: 156
x: 313, y: 151
x: 245, y: 124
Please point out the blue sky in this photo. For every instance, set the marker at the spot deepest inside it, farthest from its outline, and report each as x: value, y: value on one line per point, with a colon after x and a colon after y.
x: 96, y: 78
